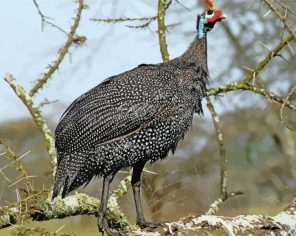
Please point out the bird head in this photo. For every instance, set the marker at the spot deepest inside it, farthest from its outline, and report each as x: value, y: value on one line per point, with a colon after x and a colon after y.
x: 207, y: 20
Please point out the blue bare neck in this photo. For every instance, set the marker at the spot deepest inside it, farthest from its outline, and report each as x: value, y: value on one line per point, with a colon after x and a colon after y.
x: 200, y: 26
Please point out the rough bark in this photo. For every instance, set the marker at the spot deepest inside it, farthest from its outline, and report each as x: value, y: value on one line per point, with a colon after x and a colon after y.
x: 283, y: 223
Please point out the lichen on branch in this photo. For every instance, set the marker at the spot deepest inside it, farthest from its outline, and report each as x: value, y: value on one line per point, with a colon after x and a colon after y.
x: 162, y: 4
x: 47, y: 134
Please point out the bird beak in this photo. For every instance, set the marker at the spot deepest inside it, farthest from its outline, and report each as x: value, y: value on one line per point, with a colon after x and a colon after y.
x: 223, y: 16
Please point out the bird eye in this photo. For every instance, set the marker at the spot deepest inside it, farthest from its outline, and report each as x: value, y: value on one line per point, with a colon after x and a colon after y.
x: 209, y: 13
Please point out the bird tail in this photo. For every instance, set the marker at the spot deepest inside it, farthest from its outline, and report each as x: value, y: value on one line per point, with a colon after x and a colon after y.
x: 73, y: 171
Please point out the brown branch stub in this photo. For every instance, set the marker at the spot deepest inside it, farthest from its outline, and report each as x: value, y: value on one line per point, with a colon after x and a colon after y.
x: 161, y: 30
x: 62, y: 53
x: 36, y: 115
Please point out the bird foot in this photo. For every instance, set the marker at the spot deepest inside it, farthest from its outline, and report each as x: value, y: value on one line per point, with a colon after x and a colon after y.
x: 144, y: 224
x: 104, y: 227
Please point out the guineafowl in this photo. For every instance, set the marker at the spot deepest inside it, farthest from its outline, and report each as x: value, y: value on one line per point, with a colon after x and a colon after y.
x: 131, y: 118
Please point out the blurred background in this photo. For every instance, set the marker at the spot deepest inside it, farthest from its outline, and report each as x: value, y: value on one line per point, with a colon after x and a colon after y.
x: 260, y: 149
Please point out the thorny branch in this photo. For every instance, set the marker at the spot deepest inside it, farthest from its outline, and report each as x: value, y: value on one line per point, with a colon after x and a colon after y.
x: 17, y: 163
x: 261, y: 65
x: 147, y: 21
x: 281, y: 17
x: 62, y: 52
x: 286, y: 7
x: 36, y: 115
x: 258, y: 90
x: 244, y: 83
x: 224, y: 195
x: 123, y: 19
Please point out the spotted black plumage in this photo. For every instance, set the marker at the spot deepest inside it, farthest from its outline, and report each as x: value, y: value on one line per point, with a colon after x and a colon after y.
x: 129, y: 119
x: 138, y: 115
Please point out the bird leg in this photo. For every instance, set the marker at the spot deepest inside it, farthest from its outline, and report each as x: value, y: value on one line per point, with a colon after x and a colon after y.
x: 102, y: 221
x: 136, y: 185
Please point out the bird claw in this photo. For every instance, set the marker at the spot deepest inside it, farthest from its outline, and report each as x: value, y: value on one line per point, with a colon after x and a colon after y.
x: 93, y: 212
x: 104, y: 227
x: 152, y: 225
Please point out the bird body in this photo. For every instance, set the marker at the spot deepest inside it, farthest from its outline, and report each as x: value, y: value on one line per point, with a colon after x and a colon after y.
x: 138, y: 115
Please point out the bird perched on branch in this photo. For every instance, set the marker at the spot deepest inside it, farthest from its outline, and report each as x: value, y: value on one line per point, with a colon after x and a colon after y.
x: 131, y: 118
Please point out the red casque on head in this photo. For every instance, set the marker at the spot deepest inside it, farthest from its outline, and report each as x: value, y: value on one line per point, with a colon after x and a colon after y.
x: 216, y: 16
x: 212, y: 12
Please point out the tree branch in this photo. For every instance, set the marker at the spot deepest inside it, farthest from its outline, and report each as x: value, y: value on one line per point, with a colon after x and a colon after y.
x: 261, y: 65
x: 282, y: 224
x: 62, y: 52
x: 224, y: 195
x: 123, y: 19
x: 281, y: 17
x: 46, y: 209
x: 161, y: 30
x: 240, y: 86
x: 44, y: 19
x: 17, y: 163
x: 36, y: 115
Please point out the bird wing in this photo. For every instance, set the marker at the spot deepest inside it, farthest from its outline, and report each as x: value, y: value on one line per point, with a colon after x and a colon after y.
x: 117, y: 107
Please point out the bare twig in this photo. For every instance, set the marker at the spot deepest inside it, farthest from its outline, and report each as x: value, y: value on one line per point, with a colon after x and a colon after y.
x: 62, y: 53
x: 44, y: 19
